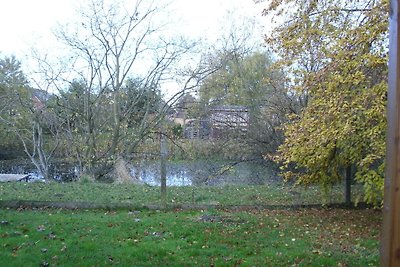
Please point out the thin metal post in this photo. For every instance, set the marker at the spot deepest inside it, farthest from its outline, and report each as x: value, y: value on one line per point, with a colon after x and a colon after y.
x: 390, y: 241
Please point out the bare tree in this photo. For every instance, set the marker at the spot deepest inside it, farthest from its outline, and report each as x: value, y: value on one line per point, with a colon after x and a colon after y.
x: 120, y: 60
x: 25, y: 115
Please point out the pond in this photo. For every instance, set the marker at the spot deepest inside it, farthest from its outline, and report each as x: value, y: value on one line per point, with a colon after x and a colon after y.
x: 181, y: 173
x: 184, y: 173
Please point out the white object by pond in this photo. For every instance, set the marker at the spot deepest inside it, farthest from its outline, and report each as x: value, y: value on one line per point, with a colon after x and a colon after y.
x: 14, y: 177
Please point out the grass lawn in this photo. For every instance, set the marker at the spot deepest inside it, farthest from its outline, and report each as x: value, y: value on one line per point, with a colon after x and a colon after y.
x: 273, y: 194
x: 51, y: 237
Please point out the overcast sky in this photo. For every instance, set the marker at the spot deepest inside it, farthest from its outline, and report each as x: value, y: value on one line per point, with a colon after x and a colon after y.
x: 27, y: 23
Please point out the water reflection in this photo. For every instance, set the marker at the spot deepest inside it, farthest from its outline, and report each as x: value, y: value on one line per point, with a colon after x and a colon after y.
x: 183, y: 173
x: 203, y: 173
x: 149, y: 173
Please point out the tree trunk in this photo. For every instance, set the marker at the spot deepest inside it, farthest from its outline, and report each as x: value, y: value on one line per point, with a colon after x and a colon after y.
x: 117, y: 122
x: 348, y: 180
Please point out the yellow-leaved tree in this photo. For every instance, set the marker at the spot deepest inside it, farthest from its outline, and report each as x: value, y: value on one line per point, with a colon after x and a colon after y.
x: 335, y: 53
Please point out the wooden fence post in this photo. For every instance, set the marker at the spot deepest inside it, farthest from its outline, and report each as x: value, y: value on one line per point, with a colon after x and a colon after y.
x: 390, y: 240
x: 163, y: 167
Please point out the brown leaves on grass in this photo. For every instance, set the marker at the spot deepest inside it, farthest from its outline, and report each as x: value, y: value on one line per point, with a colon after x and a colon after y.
x: 331, y: 231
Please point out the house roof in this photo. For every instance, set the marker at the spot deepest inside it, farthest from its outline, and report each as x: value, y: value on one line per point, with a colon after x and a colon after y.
x: 230, y: 108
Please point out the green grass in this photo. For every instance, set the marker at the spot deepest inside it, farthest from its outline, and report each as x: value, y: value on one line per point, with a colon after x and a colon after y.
x: 183, y: 238
x: 273, y: 194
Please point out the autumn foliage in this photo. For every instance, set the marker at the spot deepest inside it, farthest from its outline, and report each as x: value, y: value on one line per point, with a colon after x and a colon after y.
x: 335, y: 55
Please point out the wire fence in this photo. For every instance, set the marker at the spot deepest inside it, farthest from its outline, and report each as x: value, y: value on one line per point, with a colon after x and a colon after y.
x: 190, y: 183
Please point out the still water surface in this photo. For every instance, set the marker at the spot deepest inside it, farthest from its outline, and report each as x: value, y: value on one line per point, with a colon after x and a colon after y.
x: 182, y: 173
